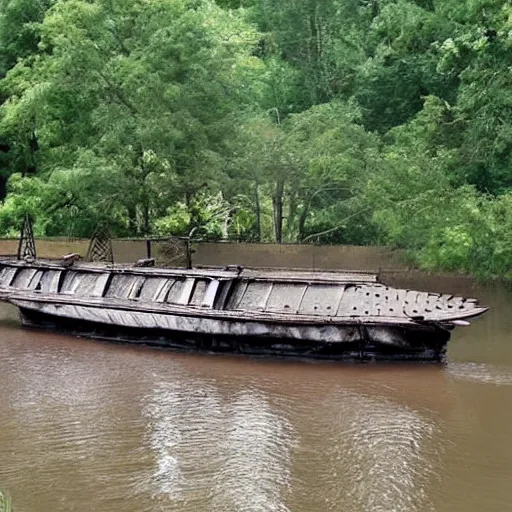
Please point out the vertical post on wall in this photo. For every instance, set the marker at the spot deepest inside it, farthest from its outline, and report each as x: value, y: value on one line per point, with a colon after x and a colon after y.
x: 27, y: 244
x: 189, y: 253
x: 148, y: 248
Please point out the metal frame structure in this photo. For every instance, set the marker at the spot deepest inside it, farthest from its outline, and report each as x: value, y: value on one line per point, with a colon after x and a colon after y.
x: 100, y: 247
x: 27, y: 244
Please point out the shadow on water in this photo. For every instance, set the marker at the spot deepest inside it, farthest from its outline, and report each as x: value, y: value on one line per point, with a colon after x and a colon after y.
x: 93, y: 426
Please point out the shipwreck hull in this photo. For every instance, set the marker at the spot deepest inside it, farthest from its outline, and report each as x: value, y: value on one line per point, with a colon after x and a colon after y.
x: 422, y: 343
x: 329, y: 315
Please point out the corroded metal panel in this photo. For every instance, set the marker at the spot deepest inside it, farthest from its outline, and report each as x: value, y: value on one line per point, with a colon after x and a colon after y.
x: 137, y: 319
x: 186, y: 291
x: 175, y: 291
x: 211, y: 293
x: 7, y: 275
x: 285, y: 297
x: 25, y: 277
x: 153, y: 287
x: 83, y: 284
x: 256, y: 296
x: 125, y: 286
x: 50, y: 281
x: 199, y: 292
x: 321, y: 300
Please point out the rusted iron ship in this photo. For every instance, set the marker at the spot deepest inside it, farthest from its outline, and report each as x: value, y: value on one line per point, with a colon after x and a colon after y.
x: 332, y: 315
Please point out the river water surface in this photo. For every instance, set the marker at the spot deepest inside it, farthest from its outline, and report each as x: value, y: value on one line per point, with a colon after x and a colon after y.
x: 87, y: 426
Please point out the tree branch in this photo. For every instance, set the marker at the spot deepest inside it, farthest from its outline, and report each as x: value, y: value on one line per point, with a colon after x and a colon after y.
x: 335, y: 228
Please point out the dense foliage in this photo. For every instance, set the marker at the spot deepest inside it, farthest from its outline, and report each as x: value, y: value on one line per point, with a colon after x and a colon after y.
x: 326, y: 121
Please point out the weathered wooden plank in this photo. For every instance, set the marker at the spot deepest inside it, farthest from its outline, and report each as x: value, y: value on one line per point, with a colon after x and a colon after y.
x: 35, y: 282
x: 352, y: 303
x: 425, y: 302
x: 411, y: 307
x: 90, y: 267
x: 123, y: 286
x: 238, y: 294
x: 174, y: 291
x: 225, y: 292
x: 152, y: 288
x: 101, y: 285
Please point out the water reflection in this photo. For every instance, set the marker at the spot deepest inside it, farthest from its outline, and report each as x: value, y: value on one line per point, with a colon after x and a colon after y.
x: 232, y: 453
x: 257, y: 449
x: 378, y: 456
x: 183, y: 422
x: 221, y: 448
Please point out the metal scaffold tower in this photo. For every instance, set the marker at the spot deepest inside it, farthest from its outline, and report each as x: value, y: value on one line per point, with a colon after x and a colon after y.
x: 27, y: 245
x: 100, y: 247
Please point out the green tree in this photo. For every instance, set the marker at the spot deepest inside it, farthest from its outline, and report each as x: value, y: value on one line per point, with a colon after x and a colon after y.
x: 150, y: 88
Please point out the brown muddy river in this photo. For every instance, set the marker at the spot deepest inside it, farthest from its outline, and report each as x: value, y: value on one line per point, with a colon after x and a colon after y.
x: 87, y: 426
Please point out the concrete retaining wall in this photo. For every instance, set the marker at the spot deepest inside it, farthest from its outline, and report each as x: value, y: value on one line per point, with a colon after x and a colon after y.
x: 223, y: 253
x: 299, y: 256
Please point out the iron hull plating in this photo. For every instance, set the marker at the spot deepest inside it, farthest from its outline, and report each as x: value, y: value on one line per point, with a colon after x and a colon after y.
x: 330, y: 315
x: 422, y: 343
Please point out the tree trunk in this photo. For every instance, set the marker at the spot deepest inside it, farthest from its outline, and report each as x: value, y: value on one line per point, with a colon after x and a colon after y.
x: 3, y: 187
x: 278, y: 211
x: 314, y: 50
x: 132, y: 219
x: 257, y: 211
x: 302, y: 221
x: 195, y: 220
x: 145, y: 218
x: 30, y: 167
x: 292, y: 213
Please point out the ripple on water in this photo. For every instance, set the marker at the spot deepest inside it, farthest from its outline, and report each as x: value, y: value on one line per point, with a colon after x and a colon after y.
x: 232, y: 452
x: 95, y: 427
x: 378, y: 457
x: 482, y: 373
